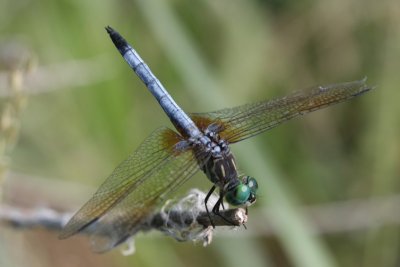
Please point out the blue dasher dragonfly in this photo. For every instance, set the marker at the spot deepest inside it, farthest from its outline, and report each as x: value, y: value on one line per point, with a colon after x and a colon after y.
x: 166, y: 159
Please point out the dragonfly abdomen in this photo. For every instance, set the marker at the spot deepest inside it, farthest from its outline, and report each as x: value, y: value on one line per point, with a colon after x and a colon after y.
x: 178, y: 117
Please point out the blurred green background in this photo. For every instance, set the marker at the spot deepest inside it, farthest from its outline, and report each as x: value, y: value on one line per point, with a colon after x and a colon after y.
x: 329, y: 182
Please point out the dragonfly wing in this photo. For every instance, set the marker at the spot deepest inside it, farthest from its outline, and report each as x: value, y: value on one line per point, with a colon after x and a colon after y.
x: 126, y: 218
x: 155, y: 155
x: 239, y: 123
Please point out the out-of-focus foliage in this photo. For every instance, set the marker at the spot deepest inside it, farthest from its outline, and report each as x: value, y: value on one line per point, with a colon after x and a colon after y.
x: 209, y: 55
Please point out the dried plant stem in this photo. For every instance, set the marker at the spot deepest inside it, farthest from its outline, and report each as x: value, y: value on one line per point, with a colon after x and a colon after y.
x: 52, y: 220
x: 10, y: 120
x: 353, y: 215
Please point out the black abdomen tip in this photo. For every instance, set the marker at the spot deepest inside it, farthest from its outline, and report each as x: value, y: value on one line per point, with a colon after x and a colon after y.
x: 119, y: 41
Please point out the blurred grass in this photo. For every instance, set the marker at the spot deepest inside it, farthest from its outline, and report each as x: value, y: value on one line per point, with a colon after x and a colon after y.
x: 210, y: 55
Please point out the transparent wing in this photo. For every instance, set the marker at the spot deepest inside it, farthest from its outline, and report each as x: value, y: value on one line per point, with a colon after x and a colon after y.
x: 125, y: 219
x: 238, y: 123
x: 138, y: 178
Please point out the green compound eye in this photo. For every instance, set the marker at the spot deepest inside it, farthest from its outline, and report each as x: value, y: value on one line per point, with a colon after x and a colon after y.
x: 251, y: 182
x: 238, y: 195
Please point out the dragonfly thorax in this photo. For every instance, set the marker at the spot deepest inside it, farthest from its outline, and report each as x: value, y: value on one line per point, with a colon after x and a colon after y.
x: 210, y: 143
x: 215, y: 158
x: 220, y: 168
x: 218, y: 146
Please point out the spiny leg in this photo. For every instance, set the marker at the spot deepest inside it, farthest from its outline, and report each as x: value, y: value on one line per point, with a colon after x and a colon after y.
x: 215, y: 209
x: 247, y: 212
x: 222, y: 205
x: 205, y: 203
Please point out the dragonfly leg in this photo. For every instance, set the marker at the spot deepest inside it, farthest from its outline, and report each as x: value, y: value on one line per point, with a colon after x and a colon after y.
x: 216, y: 209
x: 205, y: 203
x: 222, y: 205
x: 247, y: 212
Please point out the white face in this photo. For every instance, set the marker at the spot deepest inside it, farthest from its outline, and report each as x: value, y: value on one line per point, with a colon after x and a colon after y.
x: 251, y: 184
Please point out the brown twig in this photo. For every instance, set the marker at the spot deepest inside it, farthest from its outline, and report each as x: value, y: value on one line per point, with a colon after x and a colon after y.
x: 52, y: 220
x: 328, y: 218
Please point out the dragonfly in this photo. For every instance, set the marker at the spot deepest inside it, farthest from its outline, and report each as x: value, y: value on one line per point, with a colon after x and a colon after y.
x: 166, y: 159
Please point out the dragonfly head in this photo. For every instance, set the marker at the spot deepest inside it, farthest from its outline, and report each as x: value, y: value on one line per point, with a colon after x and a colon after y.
x: 243, y: 193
